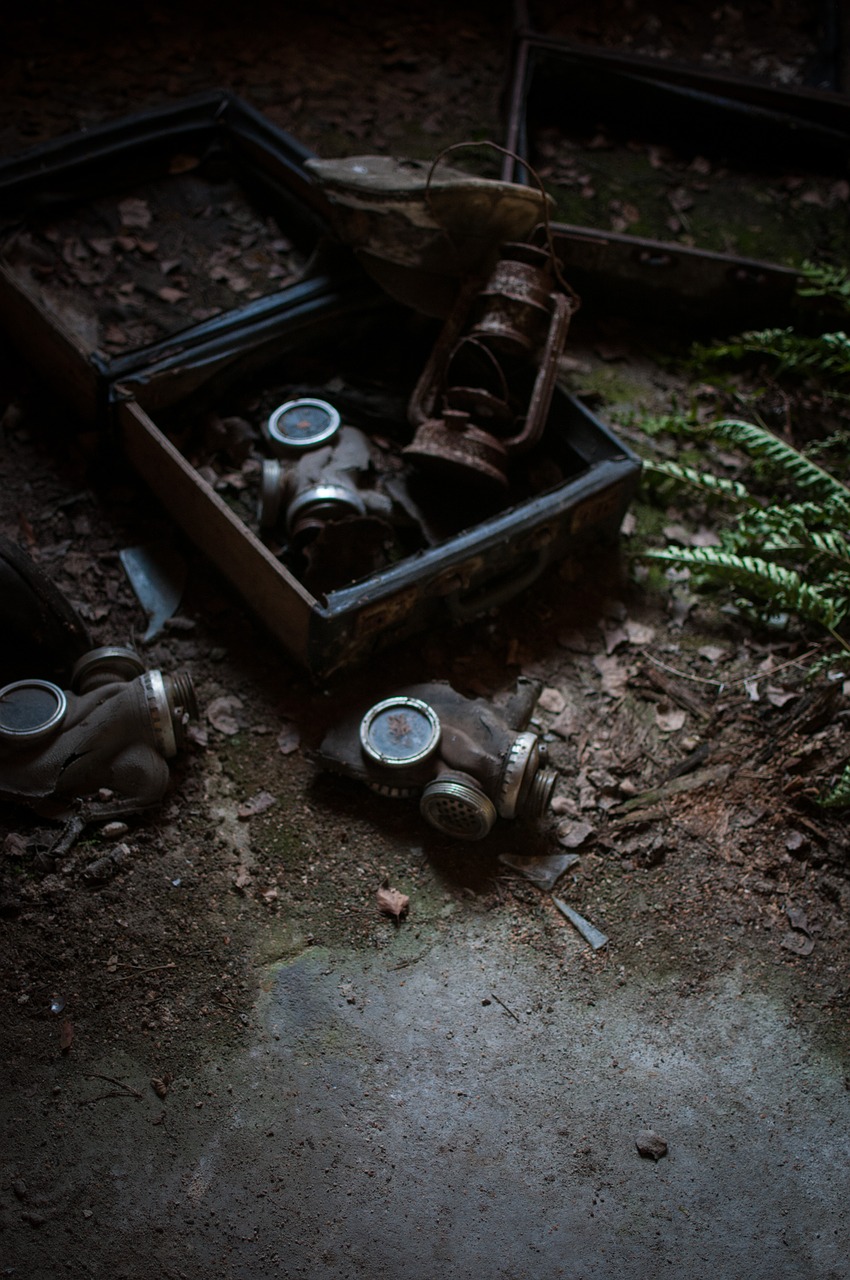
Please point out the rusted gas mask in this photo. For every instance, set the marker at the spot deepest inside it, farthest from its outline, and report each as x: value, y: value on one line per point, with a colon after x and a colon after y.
x: 100, y: 749
x: 468, y: 762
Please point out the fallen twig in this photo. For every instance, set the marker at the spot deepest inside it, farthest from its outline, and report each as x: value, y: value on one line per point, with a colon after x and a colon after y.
x: 505, y: 1007
x: 127, y: 1089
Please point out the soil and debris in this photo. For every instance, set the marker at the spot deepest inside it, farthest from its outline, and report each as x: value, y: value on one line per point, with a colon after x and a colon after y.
x: 685, y: 833
x: 152, y: 261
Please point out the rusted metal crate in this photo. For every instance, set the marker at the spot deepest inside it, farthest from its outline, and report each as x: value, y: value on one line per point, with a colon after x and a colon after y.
x: 473, y: 559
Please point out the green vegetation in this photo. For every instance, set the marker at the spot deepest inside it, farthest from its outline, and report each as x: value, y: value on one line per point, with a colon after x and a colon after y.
x: 785, y: 546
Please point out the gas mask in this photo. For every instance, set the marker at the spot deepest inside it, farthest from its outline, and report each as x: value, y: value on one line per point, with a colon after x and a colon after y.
x: 99, y: 749
x: 466, y: 761
x: 316, y: 475
x: 319, y: 505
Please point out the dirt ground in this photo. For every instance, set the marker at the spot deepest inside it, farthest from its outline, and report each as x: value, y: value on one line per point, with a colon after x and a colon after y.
x: 690, y: 750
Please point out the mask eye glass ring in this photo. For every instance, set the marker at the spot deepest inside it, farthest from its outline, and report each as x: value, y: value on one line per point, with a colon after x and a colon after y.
x: 400, y: 731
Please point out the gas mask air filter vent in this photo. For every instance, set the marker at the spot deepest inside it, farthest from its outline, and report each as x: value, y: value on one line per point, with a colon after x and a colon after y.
x: 456, y: 806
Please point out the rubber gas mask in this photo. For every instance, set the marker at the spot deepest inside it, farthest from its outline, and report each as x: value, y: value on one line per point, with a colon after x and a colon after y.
x: 101, y: 748
x: 468, y: 762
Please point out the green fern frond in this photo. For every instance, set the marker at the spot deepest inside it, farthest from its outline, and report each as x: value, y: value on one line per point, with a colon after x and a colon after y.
x: 825, y: 353
x: 790, y: 531
x: 711, y: 485
x: 839, y: 796
x: 794, y: 519
x: 822, y: 281
x: 784, y: 588
x: 830, y: 547
x: 758, y: 442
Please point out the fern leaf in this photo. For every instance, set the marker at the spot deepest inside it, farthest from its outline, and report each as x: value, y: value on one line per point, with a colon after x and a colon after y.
x: 839, y: 796
x: 827, y: 353
x: 823, y: 281
x: 755, y: 576
x: 711, y: 485
x: 774, y: 530
x: 758, y: 442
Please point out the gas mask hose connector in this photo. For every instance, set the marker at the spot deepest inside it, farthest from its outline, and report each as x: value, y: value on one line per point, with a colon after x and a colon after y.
x: 540, y: 792
x: 170, y: 702
x: 182, y: 702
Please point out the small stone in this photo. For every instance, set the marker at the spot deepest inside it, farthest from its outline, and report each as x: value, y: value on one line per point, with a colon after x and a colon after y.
x: 114, y: 830
x: 651, y: 1145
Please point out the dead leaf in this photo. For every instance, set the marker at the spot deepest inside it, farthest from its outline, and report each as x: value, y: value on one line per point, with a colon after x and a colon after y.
x: 222, y: 715
x: 573, y: 834
x: 197, y: 734
x: 66, y: 1035
x: 392, y: 902
x: 705, y: 538
x: 289, y: 739
x: 134, y: 213
x: 171, y: 295
x: 778, y: 697
x: 671, y: 720
x: 160, y: 1084
x: 680, y: 199
x: 639, y: 633
x: 15, y: 845
x: 242, y: 878
x: 615, y: 677
x: 751, y: 685
x: 257, y: 804
x: 614, y: 637
x: 797, y: 919
x: 712, y: 652
x: 567, y: 723
x: 183, y: 163
x: 799, y: 943
x: 552, y: 700
x: 544, y: 870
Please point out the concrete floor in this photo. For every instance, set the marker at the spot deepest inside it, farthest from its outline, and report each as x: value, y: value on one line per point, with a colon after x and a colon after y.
x: 436, y: 1110
x: 455, y: 1104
